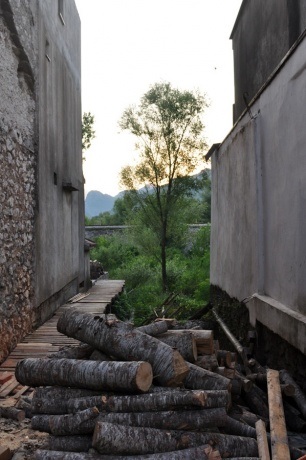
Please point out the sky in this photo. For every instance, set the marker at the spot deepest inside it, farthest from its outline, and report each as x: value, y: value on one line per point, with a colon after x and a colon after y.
x: 129, y: 45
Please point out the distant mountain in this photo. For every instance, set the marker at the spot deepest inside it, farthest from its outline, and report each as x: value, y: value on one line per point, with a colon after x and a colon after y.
x: 97, y: 202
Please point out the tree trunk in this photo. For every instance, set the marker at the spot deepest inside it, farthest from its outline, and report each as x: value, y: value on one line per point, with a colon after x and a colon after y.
x: 168, y: 400
x: 12, y: 413
x: 233, y: 426
x: 208, y: 362
x: 204, y: 339
x: 201, y: 379
x: 104, y: 375
x: 154, y: 329
x: 256, y: 399
x: 82, y: 351
x: 224, y: 358
x: 299, y: 396
x: 53, y: 455
x: 69, y: 424
x: 183, y: 342
x: 112, y: 438
x: 293, y: 420
x: 70, y: 443
x: 99, y: 356
x: 279, y: 439
x: 125, y: 342
x: 243, y: 415
x: 63, y: 393
x: 262, y: 440
x: 171, y: 420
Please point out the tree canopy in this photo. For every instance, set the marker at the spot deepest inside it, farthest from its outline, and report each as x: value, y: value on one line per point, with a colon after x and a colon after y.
x: 169, y: 131
x: 88, y: 133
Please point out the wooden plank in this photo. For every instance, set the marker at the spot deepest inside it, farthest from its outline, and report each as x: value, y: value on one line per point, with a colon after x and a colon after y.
x: 262, y: 440
x: 5, y: 376
x: 21, y: 392
x: 279, y: 439
x: 6, y: 391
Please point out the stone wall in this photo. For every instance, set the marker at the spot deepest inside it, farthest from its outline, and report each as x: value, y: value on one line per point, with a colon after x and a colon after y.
x: 17, y: 185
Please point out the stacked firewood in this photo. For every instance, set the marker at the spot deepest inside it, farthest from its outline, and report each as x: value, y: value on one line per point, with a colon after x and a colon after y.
x: 148, y: 392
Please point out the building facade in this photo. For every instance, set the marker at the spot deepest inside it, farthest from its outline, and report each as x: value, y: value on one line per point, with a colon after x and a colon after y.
x: 258, y: 244
x: 41, y: 180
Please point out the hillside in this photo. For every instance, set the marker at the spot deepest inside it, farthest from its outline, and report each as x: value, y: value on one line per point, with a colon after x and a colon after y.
x: 97, y: 202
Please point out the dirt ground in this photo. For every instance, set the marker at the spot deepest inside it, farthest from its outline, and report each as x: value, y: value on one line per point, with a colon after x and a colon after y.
x: 20, y: 439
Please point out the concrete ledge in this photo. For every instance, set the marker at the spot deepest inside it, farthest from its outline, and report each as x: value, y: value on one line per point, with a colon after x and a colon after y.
x: 288, y: 324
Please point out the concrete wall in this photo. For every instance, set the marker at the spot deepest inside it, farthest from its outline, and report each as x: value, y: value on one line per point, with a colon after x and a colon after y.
x: 42, y: 224
x: 263, y: 33
x: 258, y: 244
x: 60, y: 217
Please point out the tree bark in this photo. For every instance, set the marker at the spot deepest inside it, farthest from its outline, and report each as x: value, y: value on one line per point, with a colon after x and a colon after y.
x: 171, y: 420
x: 112, y: 438
x: 299, y: 396
x: 99, y: 356
x: 154, y: 329
x: 63, y: 393
x: 262, y: 440
x: 183, y: 342
x: 125, y: 342
x: 279, y: 438
x: 12, y: 413
x: 105, y: 375
x: 53, y: 455
x: 69, y: 424
x: 82, y: 351
x: 243, y: 415
x: 70, y: 443
x: 256, y: 399
x: 168, y: 400
x: 208, y: 362
x: 224, y: 358
x: 233, y: 426
x: 204, y: 339
x: 201, y: 379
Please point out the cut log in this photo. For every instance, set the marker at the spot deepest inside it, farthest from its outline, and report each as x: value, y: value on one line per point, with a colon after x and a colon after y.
x: 239, y: 348
x: 171, y: 420
x: 256, y: 399
x: 299, y: 396
x: 105, y: 375
x: 168, y: 400
x: 112, y: 438
x: 262, y: 440
x: 247, y: 384
x: 154, y: 329
x: 204, y: 339
x: 99, y: 356
x: 293, y: 420
x: 69, y: 424
x: 63, y: 393
x: 279, y: 439
x: 26, y: 406
x: 82, y: 351
x: 208, y: 362
x: 201, y: 379
x: 12, y: 413
x: 243, y: 415
x: 53, y: 455
x: 70, y: 443
x: 205, y: 452
x: 184, y: 342
x: 226, y: 372
x: 224, y: 358
x: 125, y: 342
x: 233, y: 426
x: 236, y: 387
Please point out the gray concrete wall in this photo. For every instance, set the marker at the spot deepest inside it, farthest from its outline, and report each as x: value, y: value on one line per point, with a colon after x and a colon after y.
x: 262, y: 35
x: 60, y: 217
x: 258, y: 232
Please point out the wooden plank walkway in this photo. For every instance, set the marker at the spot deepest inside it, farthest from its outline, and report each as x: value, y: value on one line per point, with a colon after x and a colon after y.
x: 46, y: 339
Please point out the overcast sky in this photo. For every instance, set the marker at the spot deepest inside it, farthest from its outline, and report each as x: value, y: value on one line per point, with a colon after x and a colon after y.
x: 127, y: 46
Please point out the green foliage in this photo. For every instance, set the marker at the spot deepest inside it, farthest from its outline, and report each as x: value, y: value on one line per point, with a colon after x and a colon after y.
x: 188, y: 274
x: 88, y: 133
x: 168, y: 127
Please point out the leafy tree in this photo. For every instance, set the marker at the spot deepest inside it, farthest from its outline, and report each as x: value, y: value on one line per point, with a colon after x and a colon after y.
x: 88, y: 133
x: 168, y: 126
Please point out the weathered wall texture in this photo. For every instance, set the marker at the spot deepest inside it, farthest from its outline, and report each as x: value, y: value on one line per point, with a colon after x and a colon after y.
x: 41, y: 224
x: 258, y: 243
x: 263, y: 33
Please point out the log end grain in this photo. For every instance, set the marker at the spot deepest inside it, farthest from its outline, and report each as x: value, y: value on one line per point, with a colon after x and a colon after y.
x: 144, y: 376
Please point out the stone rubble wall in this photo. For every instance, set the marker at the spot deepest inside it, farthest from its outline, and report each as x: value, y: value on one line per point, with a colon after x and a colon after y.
x: 17, y: 190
